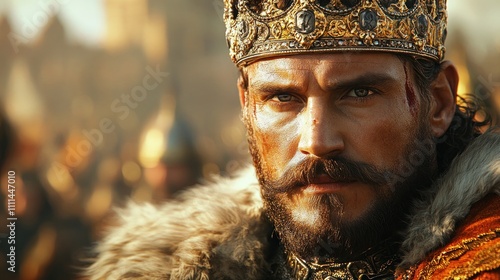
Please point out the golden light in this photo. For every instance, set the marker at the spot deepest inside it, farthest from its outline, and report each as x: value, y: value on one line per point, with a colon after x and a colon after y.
x: 23, y: 104
x: 131, y: 171
x: 155, y: 41
x: 154, y: 142
x: 125, y: 23
x: 60, y: 180
x: 152, y: 148
x: 99, y: 202
x: 464, y: 84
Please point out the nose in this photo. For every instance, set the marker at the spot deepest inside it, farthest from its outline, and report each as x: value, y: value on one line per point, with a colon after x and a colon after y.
x: 320, y: 135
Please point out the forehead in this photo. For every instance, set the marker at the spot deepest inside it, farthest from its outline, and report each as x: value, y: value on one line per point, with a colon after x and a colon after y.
x: 331, y: 66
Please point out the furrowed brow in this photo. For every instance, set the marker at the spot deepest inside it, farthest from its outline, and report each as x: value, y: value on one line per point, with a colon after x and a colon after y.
x: 274, y: 87
x: 369, y: 79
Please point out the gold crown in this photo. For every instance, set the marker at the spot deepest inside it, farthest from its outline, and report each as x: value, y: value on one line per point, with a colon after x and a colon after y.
x: 258, y: 29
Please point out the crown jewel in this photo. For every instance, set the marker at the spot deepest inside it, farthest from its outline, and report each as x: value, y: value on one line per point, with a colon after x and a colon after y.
x: 258, y: 29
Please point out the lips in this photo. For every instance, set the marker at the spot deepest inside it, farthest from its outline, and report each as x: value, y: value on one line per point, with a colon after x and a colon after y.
x: 324, y: 184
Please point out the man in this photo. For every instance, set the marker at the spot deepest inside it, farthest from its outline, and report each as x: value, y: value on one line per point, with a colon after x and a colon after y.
x: 366, y: 167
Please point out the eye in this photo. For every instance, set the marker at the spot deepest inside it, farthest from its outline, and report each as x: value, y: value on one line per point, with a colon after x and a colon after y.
x: 284, y: 102
x: 283, y: 97
x: 360, y: 92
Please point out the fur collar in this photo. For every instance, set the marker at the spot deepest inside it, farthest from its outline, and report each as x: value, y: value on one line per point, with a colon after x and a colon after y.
x: 472, y: 175
x: 218, y: 231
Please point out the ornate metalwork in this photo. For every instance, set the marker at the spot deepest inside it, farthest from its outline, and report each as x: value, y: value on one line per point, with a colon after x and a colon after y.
x: 374, y: 264
x: 415, y: 27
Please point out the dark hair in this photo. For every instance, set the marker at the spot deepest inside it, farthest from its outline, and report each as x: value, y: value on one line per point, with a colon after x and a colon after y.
x: 464, y: 127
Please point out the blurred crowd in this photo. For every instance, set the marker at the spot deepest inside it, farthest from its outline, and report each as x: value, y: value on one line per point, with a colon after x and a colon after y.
x: 88, y: 128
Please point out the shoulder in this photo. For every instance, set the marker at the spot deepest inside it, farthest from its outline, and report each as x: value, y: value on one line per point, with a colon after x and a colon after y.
x: 473, y: 251
x: 186, y: 236
x: 455, y: 230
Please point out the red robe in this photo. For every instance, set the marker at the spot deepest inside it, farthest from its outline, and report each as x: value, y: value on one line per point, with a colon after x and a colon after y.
x: 472, y: 253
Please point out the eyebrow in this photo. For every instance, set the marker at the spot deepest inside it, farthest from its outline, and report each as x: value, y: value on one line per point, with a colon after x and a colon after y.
x: 368, y: 79
x: 265, y: 87
x: 277, y: 85
x: 290, y: 86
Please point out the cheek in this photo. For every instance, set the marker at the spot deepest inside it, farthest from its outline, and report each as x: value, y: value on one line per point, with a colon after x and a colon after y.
x: 384, y: 137
x: 276, y: 138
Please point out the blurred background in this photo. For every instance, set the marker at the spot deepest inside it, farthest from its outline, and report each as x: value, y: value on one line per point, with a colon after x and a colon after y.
x: 106, y: 100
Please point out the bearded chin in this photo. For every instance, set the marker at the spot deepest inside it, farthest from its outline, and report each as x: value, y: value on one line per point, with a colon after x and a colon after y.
x: 317, y: 230
x: 312, y: 232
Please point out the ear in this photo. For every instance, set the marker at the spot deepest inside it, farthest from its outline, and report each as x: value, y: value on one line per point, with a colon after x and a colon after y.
x: 443, y: 104
x: 242, y: 90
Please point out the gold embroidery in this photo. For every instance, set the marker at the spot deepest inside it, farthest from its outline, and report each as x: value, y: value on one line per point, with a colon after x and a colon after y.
x: 482, y: 263
x: 408, y: 273
x: 485, y: 260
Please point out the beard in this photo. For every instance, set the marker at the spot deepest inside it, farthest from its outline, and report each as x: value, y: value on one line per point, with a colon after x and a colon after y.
x: 329, y: 235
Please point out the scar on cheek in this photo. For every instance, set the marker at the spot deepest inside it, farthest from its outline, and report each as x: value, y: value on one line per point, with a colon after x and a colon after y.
x: 411, y: 98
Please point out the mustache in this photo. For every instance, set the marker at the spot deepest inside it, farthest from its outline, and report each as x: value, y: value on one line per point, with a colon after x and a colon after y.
x: 339, y: 170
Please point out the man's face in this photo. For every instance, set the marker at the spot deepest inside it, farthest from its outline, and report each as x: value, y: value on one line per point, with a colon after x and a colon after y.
x: 331, y: 136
